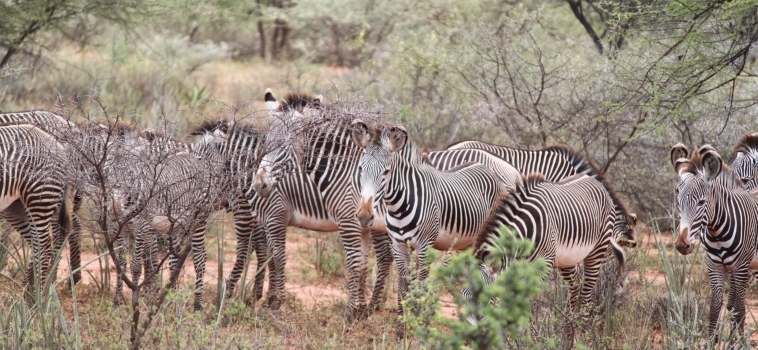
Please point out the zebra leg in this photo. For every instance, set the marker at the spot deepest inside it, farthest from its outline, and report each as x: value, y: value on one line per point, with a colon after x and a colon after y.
x: 276, y: 228
x: 41, y: 210
x: 402, y: 259
x: 570, y: 276
x: 383, y: 249
x: 199, y: 257
x: 738, y: 282
x: 243, y: 226
x: 74, y: 248
x: 260, y: 246
x: 355, y: 244
x: 151, y: 258
x: 121, y: 246
x: 716, y: 276
x: 16, y: 216
x: 592, y: 265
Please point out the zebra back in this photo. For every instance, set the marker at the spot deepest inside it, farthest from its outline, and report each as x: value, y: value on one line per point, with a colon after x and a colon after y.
x: 555, y: 163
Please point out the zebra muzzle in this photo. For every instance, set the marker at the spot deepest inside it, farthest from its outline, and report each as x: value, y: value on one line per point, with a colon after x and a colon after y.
x: 682, y: 243
x: 365, y: 215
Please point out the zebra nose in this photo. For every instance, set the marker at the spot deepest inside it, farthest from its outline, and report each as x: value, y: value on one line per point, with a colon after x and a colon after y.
x: 262, y: 189
x: 682, y: 244
x: 366, y: 221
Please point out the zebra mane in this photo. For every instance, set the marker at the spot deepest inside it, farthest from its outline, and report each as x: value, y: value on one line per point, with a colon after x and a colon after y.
x: 505, y: 206
x: 584, y: 165
x: 727, y: 177
x: 297, y: 101
x: 747, y: 143
x: 209, y: 125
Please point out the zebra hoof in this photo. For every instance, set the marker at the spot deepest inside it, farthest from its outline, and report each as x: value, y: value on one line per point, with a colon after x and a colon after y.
x: 273, y: 303
x: 400, y: 331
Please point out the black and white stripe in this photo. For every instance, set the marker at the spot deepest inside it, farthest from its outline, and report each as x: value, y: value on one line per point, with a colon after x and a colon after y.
x: 570, y: 222
x: 557, y: 162
x: 32, y: 180
x: 60, y: 128
x: 426, y: 207
x: 716, y: 209
x: 311, y: 185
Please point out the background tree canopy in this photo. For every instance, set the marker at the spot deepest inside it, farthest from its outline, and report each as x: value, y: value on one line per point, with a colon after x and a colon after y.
x: 619, y: 80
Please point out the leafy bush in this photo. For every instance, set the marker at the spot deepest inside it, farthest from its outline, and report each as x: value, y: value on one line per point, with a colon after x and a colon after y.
x: 514, y: 288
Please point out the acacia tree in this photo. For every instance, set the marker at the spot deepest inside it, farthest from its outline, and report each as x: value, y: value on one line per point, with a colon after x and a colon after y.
x: 24, y: 24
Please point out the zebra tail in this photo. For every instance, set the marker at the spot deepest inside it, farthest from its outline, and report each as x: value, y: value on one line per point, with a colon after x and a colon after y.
x: 620, y: 255
x: 65, y: 216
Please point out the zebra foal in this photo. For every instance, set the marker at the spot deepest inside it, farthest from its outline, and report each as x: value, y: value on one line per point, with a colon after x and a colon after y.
x: 716, y: 209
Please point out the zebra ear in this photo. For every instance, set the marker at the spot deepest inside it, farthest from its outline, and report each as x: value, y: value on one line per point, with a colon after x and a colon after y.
x: 148, y: 134
x: 631, y: 219
x: 397, y: 137
x: 360, y: 133
x: 678, y: 151
x: 271, y: 102
x: 712, y: 163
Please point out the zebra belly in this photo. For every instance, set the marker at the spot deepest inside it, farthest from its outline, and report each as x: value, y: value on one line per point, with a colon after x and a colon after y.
x: 161, y: 223
x: 6, y: 201
x: 754, y: 262
x: 313, y: 223
x: 568, y: 256
x: 452, y: 240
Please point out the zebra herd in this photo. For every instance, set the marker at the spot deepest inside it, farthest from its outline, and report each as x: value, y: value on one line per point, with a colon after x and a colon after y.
x: 370, y: 183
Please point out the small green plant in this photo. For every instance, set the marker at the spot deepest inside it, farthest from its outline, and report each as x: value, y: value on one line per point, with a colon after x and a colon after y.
x: 480, y: 323
x: 327, y: 256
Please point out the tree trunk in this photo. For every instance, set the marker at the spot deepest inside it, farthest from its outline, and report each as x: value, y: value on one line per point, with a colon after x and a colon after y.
x: 261, y: 32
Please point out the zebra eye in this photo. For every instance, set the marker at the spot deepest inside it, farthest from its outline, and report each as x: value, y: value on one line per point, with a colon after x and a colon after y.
x: 360, y: 169
x: 701, y: 202
x: 386, y: 171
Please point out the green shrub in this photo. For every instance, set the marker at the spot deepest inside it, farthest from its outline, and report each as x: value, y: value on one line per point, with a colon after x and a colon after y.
x: 514, y: 288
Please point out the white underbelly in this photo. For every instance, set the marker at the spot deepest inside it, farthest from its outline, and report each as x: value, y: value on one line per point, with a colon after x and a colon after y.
x: 313, y: 223
x: 453, y: 240
x: 6, y: 201
x: 566, y: 256
x: 161, y: 223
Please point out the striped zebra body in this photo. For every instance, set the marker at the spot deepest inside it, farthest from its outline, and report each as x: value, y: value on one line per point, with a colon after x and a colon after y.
x: 59, y: 127
x: 32, y: 184
x: 316, y: 190
x: 171, y: 190
x: 716, y: 209
x: 569, y: 222
x: 745, y: 162
x: 557, y: 162
x: 426, y: 207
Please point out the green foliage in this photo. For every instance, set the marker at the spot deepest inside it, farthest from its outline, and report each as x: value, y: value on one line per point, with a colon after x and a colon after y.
x: 514, y: 287
x: 24, y: 24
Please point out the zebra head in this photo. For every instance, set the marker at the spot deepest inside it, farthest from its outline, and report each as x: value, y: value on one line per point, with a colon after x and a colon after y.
x: 281, y: 150
x: 692, y: 192
x: 745, y: 162
x: 375, y: 166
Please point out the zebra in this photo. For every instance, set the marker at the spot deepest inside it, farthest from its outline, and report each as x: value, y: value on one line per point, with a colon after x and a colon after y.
x: 569, y: 222
x: 168, y: 196
x: 236, y: 148
x: 33, y: 183
x: 60, y: 128
x: 318, y: 192
x: 715, y: 208
x: 371, y: 209
x: 557, y: 162
x: 426, y: 207
x: 745, y: 162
